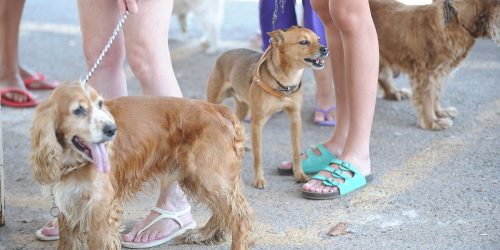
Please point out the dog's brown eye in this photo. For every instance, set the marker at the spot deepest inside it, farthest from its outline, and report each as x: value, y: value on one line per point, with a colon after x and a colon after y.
x: 80, y: 111
x: 99, y: 104
x: 304, y: 42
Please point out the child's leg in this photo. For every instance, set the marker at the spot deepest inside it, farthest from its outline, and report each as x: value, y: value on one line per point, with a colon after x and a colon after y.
x: 325, y: 95
x: 357, y: 68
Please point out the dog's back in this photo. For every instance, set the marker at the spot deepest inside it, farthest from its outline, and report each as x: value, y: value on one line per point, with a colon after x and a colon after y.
x: 233, y: 65
x: 416, y: 36
x: 172, y: 126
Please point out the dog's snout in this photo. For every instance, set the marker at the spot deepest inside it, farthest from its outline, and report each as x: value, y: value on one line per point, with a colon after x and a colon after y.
x: 109, y: 130
x: 323, y: 50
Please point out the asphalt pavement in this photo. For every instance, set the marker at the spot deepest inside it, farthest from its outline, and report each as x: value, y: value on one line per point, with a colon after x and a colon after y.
x: 432, y: 189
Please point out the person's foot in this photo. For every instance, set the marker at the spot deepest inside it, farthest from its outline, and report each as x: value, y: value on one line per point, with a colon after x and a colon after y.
x: 15, y: 83
x: 35, y: 80
x: 49, y: 232
x: 324, y: 116
x: 161, y: 229
x: 317, y: 186
x: 287, y: 165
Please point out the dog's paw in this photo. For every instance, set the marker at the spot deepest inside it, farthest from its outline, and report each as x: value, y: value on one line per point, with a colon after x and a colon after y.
x: 438, y: 124
x: 197, y: 236
x: 301, y: 177
x: 259, y: 183
x: 404, y: 94
x: 450, y: 112
x: 398, y: 95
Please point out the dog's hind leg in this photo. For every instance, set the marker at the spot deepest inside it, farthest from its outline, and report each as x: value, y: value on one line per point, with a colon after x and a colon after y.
x: 387, y: 84
x: 211, y: 21
x: 424, y: 94
x: 223, y: 195
x: 217, y: 87
x: 449, y: 112
x: 241, y: 109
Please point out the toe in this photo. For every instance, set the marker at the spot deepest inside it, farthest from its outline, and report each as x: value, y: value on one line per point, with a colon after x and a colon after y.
x: 50, y: 231
x: 128, y: 237
x: 154, y: 236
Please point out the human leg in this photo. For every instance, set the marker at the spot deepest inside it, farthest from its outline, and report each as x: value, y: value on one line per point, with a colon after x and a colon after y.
x: 146, y: 42
x: 97, y: 20
x: 325, y: 95
x: 358, y: 39
x: 148, y: 54
x: 336, y: 144
x: 10, y: 18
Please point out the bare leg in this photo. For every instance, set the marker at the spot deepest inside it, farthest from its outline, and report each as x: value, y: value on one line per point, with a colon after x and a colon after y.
x: 146, y: 42
x: 10, y: 18
x: 350, y: 29
x: 148, y: 54
x: 97, y: 20
x: 325, y: 93
x: 150, y: 60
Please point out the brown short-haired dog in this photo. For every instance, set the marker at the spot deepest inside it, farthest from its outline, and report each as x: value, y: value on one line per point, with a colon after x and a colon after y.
x: 427, y: 42
x: 268, y: 82
x: 158, y: 139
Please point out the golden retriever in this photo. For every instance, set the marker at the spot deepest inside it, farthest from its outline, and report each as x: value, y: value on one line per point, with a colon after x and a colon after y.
x: 149, y: 139
x: 427, y: 42
x: 268, y: 82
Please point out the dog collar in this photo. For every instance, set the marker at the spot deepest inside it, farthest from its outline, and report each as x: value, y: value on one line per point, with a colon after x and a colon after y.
x: 283, y: 91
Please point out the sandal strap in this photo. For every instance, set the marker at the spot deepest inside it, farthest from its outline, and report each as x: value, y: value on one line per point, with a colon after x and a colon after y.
x: 325, y: 112
x: 314, y: 159
x: 350, y: 183
x: 164, y: 214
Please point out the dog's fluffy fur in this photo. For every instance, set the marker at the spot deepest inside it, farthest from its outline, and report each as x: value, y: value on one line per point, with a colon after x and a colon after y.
x: 210, y: 14
x: 428, y: 42
x: 159, y: 139
x: 290, y: 53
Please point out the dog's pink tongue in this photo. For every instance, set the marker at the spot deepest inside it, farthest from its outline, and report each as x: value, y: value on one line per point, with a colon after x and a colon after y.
x: 100, y: 157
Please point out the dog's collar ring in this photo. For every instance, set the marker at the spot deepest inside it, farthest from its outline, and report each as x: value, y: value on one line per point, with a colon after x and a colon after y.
x: 54, y: 211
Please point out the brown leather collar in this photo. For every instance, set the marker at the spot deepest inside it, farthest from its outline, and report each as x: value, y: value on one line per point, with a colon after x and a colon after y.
x: 284, y: 91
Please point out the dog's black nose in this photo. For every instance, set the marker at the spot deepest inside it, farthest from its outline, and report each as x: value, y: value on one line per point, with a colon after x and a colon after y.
x: 109, y: 130
x: 323, y: 50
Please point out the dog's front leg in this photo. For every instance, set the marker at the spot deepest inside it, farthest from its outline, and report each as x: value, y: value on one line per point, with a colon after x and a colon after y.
x: 69, y: 237
x: 258, y: 121
x: 296, y: 134
x: 104, y: 225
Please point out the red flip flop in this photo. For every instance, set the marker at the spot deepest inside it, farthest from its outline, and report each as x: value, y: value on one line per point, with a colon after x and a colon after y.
x: 5, y: 101
x: 38, y: 80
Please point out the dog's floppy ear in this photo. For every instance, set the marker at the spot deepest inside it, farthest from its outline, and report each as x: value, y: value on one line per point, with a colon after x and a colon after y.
x: 277, y: 37
x: 46, y: 152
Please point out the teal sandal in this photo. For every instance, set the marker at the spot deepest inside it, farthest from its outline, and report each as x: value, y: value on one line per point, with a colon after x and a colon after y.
x: 353, y: 180
x: 314, y: 163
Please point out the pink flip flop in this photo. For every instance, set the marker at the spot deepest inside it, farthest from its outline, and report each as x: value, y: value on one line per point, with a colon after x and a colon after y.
x: 36, y: 82
x: 325, y: 113
x: 6, y: 101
